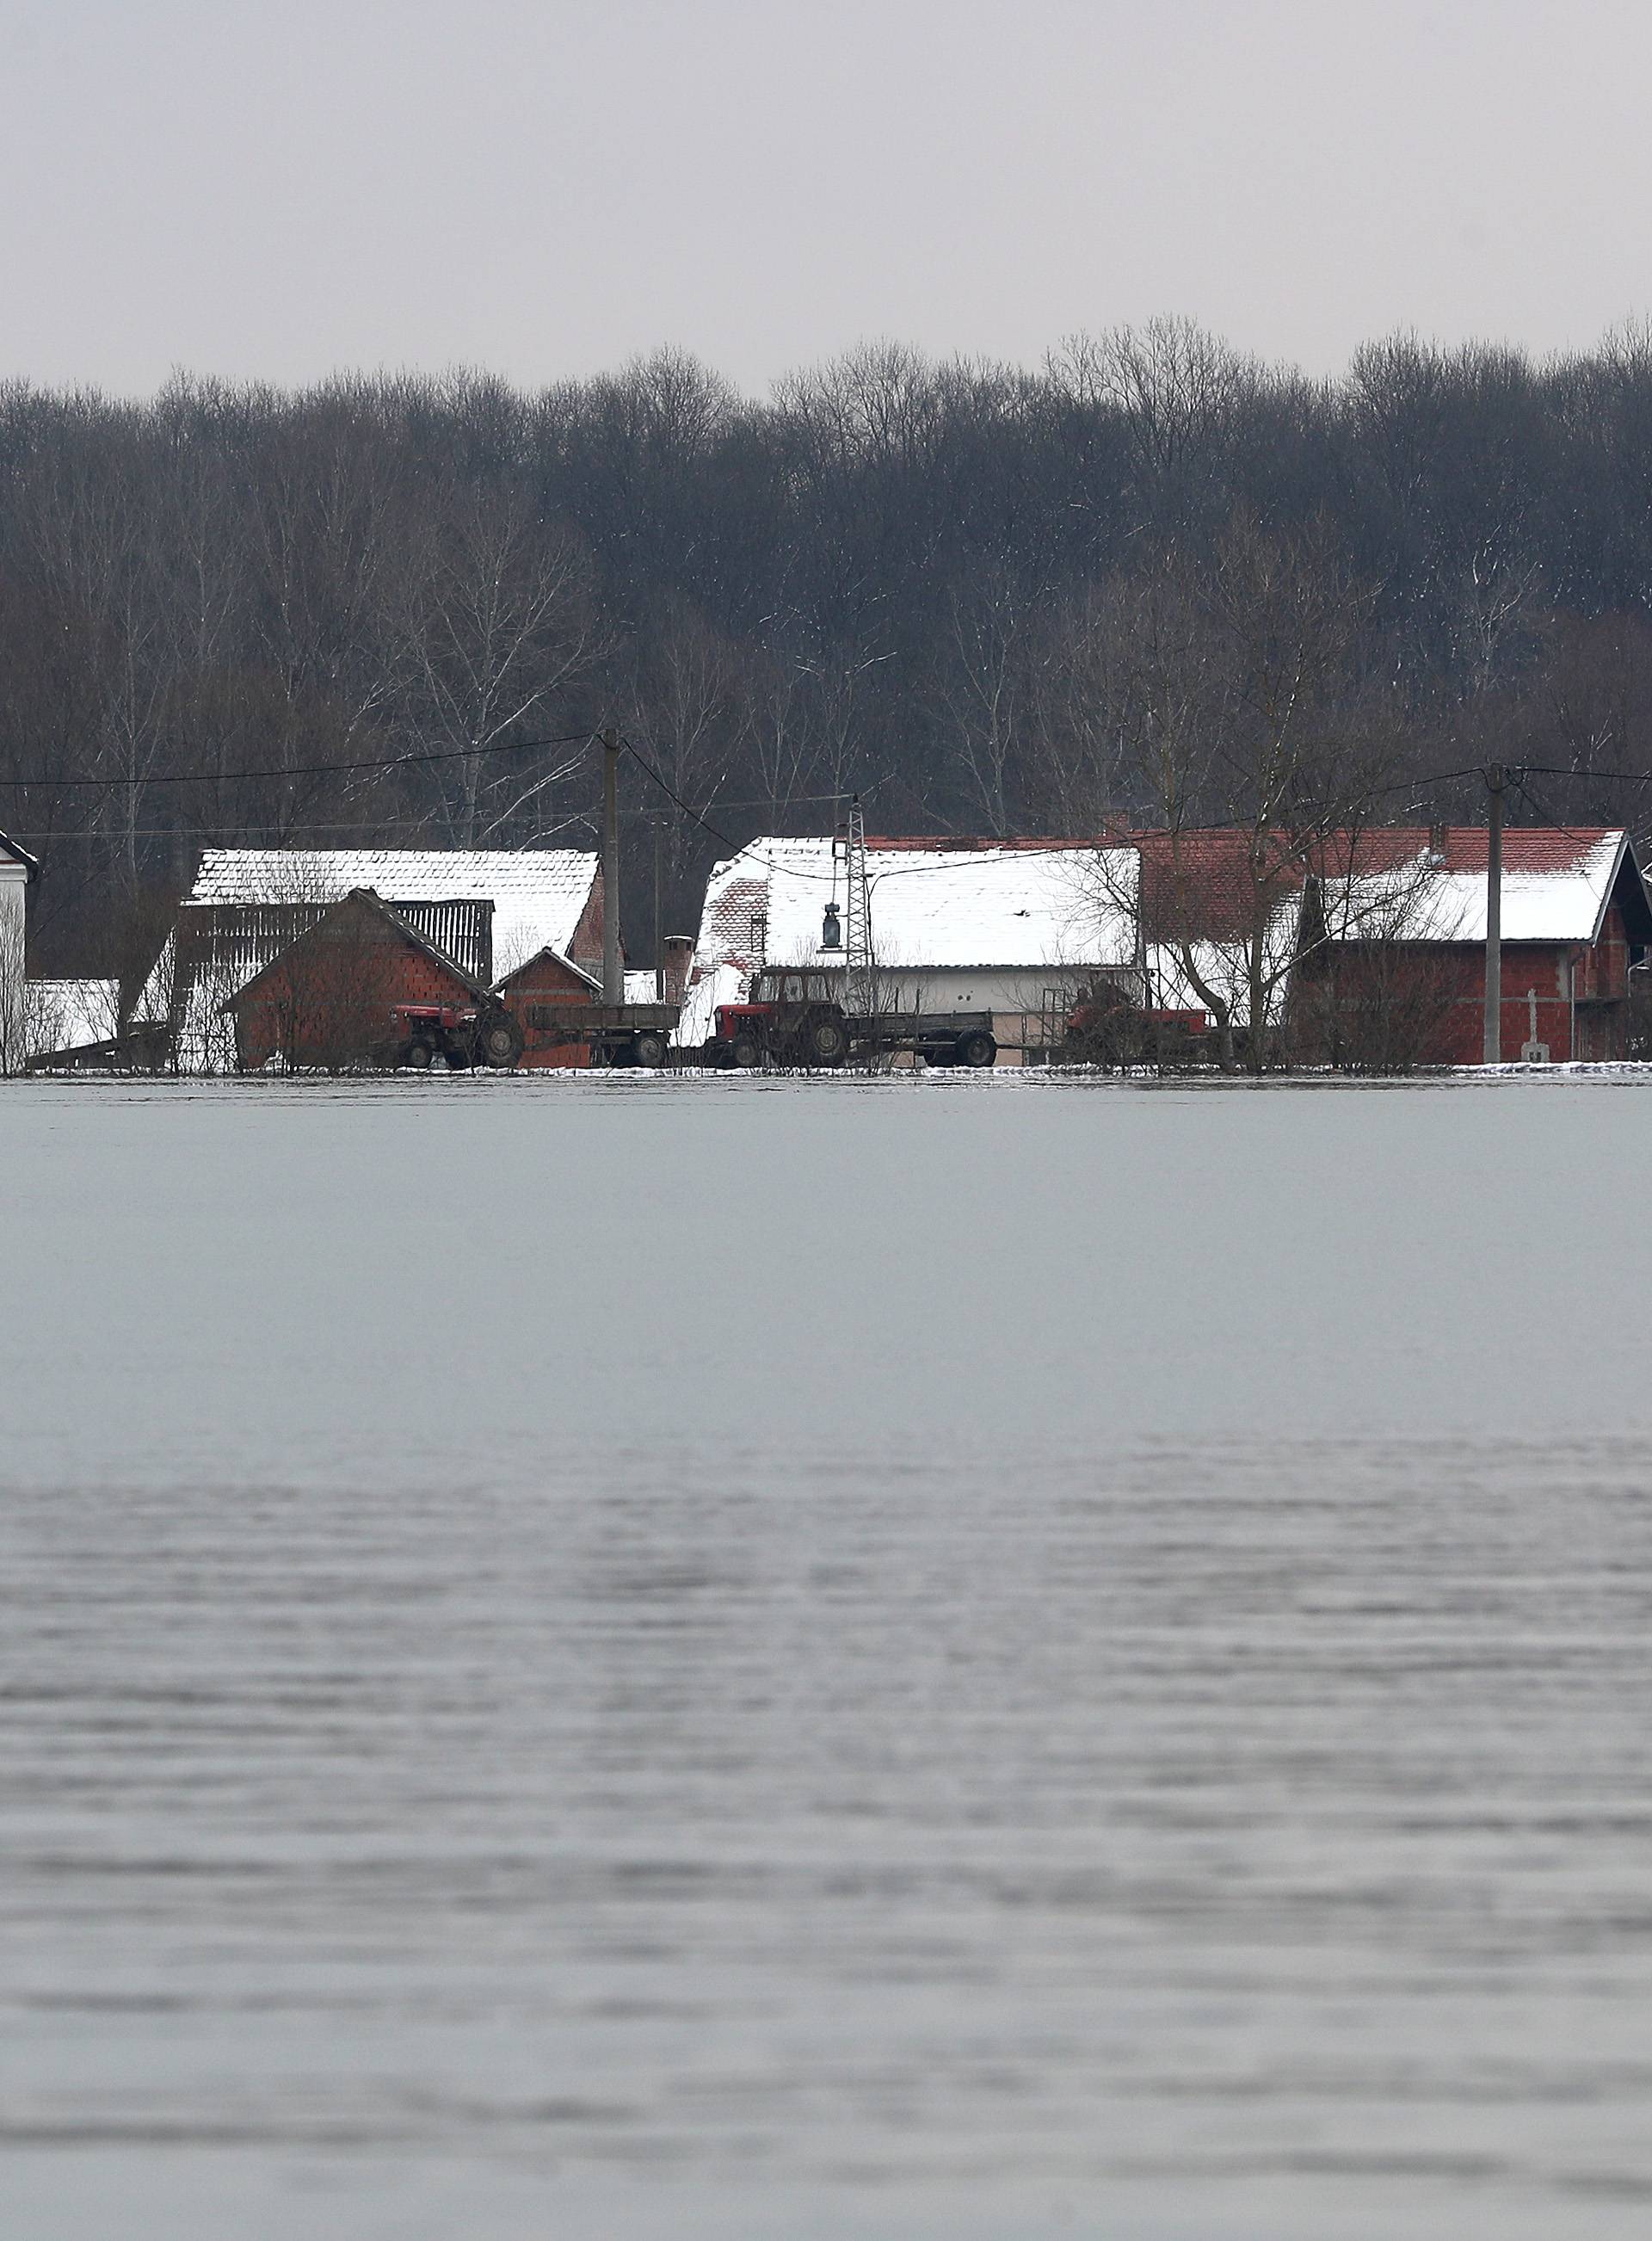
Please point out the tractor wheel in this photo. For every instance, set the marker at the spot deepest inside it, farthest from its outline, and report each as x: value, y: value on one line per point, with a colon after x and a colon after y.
x: 744, y: 1053
x: 825, y: 1042
x: 648, y: 1047
x: 976, y: 1048
x: 418, y: 1055
x: 499, y: 1042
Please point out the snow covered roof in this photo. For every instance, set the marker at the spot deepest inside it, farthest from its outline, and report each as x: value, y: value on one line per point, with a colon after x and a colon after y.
x: 567, y: 964
x: 65, y: 1015
x: 1003, y: 904
x: 1556, y: 883
x: 17, y: 854
x: 538, y: 894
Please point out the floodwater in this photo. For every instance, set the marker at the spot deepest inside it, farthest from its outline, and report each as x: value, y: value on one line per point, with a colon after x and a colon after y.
x: 928, y: 1658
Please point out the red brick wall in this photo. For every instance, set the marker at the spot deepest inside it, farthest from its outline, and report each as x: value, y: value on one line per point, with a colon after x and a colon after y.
x: 544, y: 980
x: 1601, y: 971
x: 334, y: 991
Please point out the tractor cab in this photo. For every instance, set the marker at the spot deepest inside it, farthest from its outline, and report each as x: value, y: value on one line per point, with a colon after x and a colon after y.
x: 793, y: 1014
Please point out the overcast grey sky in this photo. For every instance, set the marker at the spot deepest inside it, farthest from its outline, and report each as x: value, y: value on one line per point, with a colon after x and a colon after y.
x: 547, y: 186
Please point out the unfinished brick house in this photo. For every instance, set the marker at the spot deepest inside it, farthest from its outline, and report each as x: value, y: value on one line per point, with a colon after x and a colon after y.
x: 329, y: 1000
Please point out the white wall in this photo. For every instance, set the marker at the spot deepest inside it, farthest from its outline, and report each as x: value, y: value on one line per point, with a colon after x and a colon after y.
x: 13, y: 882
x: 965, y: 988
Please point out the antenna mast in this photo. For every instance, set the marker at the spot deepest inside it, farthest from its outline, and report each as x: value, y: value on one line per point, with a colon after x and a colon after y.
x: 860, y: 971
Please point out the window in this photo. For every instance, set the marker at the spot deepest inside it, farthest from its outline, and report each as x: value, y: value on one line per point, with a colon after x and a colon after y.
x: 794, y: 989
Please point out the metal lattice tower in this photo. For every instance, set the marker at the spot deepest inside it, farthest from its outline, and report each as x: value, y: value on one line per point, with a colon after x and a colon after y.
x: 860, y: 971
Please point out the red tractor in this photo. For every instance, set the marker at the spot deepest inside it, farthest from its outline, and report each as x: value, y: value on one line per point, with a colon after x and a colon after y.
x: 796, y: 1017
x: 1109, y: 1028
x: 463, y: 1035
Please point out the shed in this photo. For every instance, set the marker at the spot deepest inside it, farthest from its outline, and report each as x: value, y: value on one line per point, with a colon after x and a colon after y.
x: 538, y: 994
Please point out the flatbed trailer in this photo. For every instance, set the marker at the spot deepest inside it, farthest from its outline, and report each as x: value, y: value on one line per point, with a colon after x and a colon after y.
x: 938, y: 1038
x: 611, y: 1034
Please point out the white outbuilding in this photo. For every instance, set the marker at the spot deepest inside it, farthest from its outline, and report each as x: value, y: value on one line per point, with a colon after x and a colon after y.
x: 1017, y: 928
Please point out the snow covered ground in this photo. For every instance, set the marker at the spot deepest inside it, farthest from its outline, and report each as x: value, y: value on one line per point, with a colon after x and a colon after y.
x: 773, y: 1658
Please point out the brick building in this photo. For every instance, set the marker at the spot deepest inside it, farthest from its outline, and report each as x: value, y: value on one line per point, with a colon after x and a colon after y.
x: 328, y: 998
x: 1411, y: 919
x: 538, y: 995
x: 489, y: 910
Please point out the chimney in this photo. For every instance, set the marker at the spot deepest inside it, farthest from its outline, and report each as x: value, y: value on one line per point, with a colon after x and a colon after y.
x: 676, y: 952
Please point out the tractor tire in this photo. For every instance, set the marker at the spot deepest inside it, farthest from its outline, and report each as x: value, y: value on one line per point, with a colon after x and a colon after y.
x: 419, y: 1056
x: 825, y: 1042
x: 976, y: 1048
x: 499, y: 1042
x: 744, y: 1053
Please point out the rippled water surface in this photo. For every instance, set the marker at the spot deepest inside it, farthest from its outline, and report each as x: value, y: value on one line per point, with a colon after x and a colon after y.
x: 905, y: 1659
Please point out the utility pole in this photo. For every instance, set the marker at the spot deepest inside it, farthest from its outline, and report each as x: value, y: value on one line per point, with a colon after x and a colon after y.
x: 660, y: 883
x: 613, y: 978
x: 1495, y: 916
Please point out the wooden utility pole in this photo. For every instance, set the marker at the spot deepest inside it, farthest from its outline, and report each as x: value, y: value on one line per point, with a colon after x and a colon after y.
x: 613, y: 976
x: 659, y: 887
x: 1495, y: 917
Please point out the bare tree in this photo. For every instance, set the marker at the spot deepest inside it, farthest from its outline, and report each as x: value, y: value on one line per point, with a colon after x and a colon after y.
x: 501, y: 621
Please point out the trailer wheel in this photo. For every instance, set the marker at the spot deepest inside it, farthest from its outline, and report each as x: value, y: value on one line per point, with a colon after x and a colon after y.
x: 978, y: 1048
x: 827, y: 1042
x: 648, y: 1047
x: 744, y: 1053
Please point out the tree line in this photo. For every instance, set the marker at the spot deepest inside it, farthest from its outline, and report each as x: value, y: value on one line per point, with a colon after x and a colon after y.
x: 1153, y: 579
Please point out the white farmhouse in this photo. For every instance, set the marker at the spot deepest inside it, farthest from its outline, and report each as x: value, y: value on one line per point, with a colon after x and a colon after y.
x: 1016, y: 928
x: 17, y: 867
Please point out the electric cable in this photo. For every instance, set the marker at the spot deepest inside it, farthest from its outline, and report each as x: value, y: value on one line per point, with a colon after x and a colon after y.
x: 314, y: 769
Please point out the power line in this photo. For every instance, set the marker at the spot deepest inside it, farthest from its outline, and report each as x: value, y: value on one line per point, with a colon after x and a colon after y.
x: 1554, y: 770
x: 116, y: 837
x: 313, y: 769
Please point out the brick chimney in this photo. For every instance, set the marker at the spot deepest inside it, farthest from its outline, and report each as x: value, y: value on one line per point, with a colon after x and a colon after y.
x: 676, y: 952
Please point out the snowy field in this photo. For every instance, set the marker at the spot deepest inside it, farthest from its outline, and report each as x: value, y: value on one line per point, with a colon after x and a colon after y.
x: 930, y: 1658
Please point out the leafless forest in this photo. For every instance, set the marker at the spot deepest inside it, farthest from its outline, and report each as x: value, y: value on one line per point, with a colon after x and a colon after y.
x: 1155, y: 579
